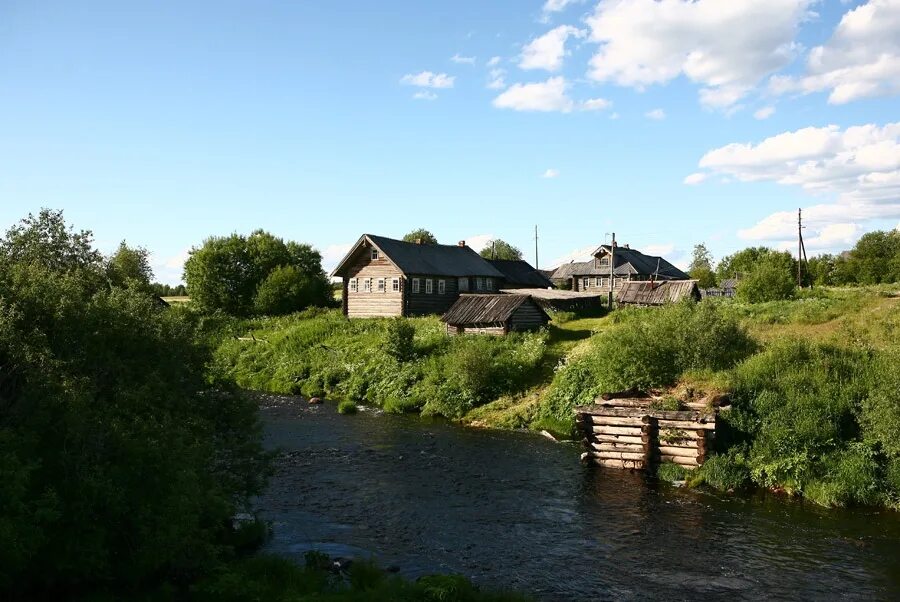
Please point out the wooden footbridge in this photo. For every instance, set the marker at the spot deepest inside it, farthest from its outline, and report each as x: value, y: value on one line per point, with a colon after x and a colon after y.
x: 629, y: 432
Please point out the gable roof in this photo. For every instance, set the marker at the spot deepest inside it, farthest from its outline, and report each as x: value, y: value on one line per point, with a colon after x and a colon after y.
x: 519, y: 272
x: 657, y: 293
x: 628, y: 261
x: 486, y: 309
x: 414, y: 258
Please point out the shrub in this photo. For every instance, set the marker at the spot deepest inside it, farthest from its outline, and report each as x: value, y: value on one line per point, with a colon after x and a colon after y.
x: 727, y: 472
x: 285, y: 290
x: 347, y: 407
x: 669, y: 471
x: 768, y: 281
x: 399, y: 344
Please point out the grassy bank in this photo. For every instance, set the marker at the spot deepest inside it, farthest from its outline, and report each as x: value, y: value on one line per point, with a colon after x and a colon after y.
x: 814, y: 382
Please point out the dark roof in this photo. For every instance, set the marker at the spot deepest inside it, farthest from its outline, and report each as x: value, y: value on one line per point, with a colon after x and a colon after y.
x: 729, y: 283
x: 438, y: 260
x: 657, y: 293
x: 628, y: 261
x: 519, y: 272
x: 486, y: 309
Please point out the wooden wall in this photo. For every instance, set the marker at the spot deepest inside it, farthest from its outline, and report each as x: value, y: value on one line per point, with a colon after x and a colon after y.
x: 422, y: 303
x: 527, y: 317
x: 493, y: 330
x: 361, y: 304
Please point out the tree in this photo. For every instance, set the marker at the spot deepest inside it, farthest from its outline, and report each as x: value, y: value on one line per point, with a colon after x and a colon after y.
x: 423, y: 235
x: 500, y: 249
x: 225, y: 273
x: 285, y: 290
x: 129, y: 266
x: 876, y: 258
x: 701, y: 268
x: 743, y: 262
x: 769, y: 280
x: 121, y: 463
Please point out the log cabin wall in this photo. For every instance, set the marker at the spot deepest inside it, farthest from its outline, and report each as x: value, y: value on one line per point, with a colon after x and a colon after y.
x: 497, y: 330
x: 527, y: 317
x: 360, y: 303
x: 423, y: 302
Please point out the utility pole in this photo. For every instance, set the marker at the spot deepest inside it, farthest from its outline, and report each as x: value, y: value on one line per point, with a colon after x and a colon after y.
x: 799, y: 248
x: 612, y: 267
x: 536, y: 264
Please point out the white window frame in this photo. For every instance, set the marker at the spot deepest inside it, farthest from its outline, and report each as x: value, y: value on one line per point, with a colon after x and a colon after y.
x: 374, y: 254
x: 429, y: 286
x: 367, y: 285
x: 479, y: 283
x: 489, y: 283
x: 585, y: 283
x: 353, y: 285
x: 416, y: 285
x: 380, y: 284
x: 442, y: 287
x: 597, y: 281
x: 464, y: 284
x: 395, y: 285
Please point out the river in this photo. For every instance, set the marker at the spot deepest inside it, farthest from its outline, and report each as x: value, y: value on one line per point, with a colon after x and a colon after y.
x: 516, y: 510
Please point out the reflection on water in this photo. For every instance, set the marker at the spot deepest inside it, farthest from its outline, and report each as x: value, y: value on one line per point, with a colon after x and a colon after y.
x: 516, y: 510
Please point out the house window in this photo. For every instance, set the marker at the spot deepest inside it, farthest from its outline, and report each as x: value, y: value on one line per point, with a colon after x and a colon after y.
x: 429, y: 283
x: 490, y: 283
x: 604, y: 282
x: 585, y: 283
x: 415, y: 285
x: 604, y: 261
x: 367, y: 285
x: 442, y: 287
x: 479, y: 283
x: 464, y: 284
x: 374, y: 253
x: 597, y: 281
x: 395, y: 285
x: 353, y: 285
x: 381, y: 285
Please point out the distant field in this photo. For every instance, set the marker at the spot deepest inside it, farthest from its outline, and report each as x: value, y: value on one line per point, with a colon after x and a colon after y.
x: 171, y: 300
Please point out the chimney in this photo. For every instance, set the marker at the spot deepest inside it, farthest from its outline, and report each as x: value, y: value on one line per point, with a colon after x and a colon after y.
x: 418, y: 241
x: 627, y: 246
x: 461, y: 243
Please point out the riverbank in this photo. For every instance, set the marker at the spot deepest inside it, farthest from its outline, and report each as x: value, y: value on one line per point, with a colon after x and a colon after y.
x: 812, y: 381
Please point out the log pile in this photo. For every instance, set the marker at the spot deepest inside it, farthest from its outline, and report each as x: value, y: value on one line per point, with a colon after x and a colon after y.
x: 629, y: 433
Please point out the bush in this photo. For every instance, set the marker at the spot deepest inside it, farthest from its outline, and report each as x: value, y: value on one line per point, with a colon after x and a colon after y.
x: 727, y: 472
x: 347, y: 407
x: 286, y: 290
x: 399, y: 343
x: 770, y: 280
x: 669, y: 471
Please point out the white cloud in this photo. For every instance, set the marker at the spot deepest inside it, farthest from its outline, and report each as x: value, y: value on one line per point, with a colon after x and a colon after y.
x: 541, y: 96
x: 332, y: 254
x: 695, y: 178
x: 462, y: 60
x: 555, y: 6
x: 860, y: 60
x: 582, y: 254
x: 657, y: 114
x: 547, y: 51
x: 479, y: 241
x: 857, y: 169
x: 596, y: 104
x: 425, y: 95
x: 427, y: 79
x: 497, y: 79
x: 764, y: 113
x: 169, y: 270
x: 493, y: 61
x: 551, y: 173
x: 726, y: 47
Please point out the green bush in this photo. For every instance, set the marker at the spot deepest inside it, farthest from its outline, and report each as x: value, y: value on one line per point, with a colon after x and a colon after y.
x: 767, y: 281
x: 347, y: 407
x: 285, y: 290
x: 728, y: 472
x: 669, y: 471
x: 399, y: 344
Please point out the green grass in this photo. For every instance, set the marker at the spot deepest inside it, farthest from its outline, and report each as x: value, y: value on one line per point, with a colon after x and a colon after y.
x: 347, y: 407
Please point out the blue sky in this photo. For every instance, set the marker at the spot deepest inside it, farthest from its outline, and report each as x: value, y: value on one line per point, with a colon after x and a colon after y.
x: 670, y: 123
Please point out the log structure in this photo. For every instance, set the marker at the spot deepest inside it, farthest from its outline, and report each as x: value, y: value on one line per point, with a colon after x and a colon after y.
x: 631, y: 433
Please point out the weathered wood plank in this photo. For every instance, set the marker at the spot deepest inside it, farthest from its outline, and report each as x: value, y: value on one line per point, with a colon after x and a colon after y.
x: 685, y: 452
x: 608, y: 429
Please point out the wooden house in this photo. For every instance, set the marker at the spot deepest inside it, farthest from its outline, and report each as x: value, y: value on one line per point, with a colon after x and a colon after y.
x: 657, y: 293
x: 386, y: 277
x: 496, y: 315
x: 629, y: 265
x: 518, y: 273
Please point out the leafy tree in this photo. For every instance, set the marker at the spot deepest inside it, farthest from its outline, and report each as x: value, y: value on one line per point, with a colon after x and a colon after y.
x: 500, y: 249
x: 285, y: 290
x: 120, y: 463
x: 167, y: 290
x: 225, y: 273
x: 129, y: 265
x: 400, y: 335
x: 876, y: 258
x: 769, y: 280
x: 422, y: 234
x: 701, y: 268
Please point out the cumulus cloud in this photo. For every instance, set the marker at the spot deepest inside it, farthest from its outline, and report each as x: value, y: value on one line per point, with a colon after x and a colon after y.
x: 856, y: 169
x: 764, y: 113
x: 657, y: 114
x: 497, y: 79
x: 555, y: 6
x: 726, y: 47
x: 551, y: 173
x: 596, y: 104
x: 547, y: 51
x: 462, y: 60
x: 169, y: 270
x: 860, y: 60
x: 694, y: 178
x: 427, y: 79
x: 540, y: 96
x: 493, y: 61
x: 425, y: 95
x: 479, y: 241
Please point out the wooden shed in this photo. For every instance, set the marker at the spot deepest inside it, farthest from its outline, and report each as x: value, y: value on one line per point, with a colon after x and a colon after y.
x: 494, y: 314
x: 657, y: 293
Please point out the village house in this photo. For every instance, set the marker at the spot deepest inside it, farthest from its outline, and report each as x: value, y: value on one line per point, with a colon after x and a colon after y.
x: 386, y: 277
x: 496, y: 315
x: 518, y: 274
x: 629, y: 265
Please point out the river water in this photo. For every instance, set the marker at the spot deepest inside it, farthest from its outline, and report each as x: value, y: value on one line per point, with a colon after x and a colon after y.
x: 516, y: 510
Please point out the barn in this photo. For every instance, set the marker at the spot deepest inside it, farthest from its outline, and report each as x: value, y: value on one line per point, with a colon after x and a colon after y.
x: 657, y: 293
x: 494, y: 314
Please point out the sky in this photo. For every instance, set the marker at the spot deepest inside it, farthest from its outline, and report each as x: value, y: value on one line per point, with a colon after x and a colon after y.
x: 668, y: 122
